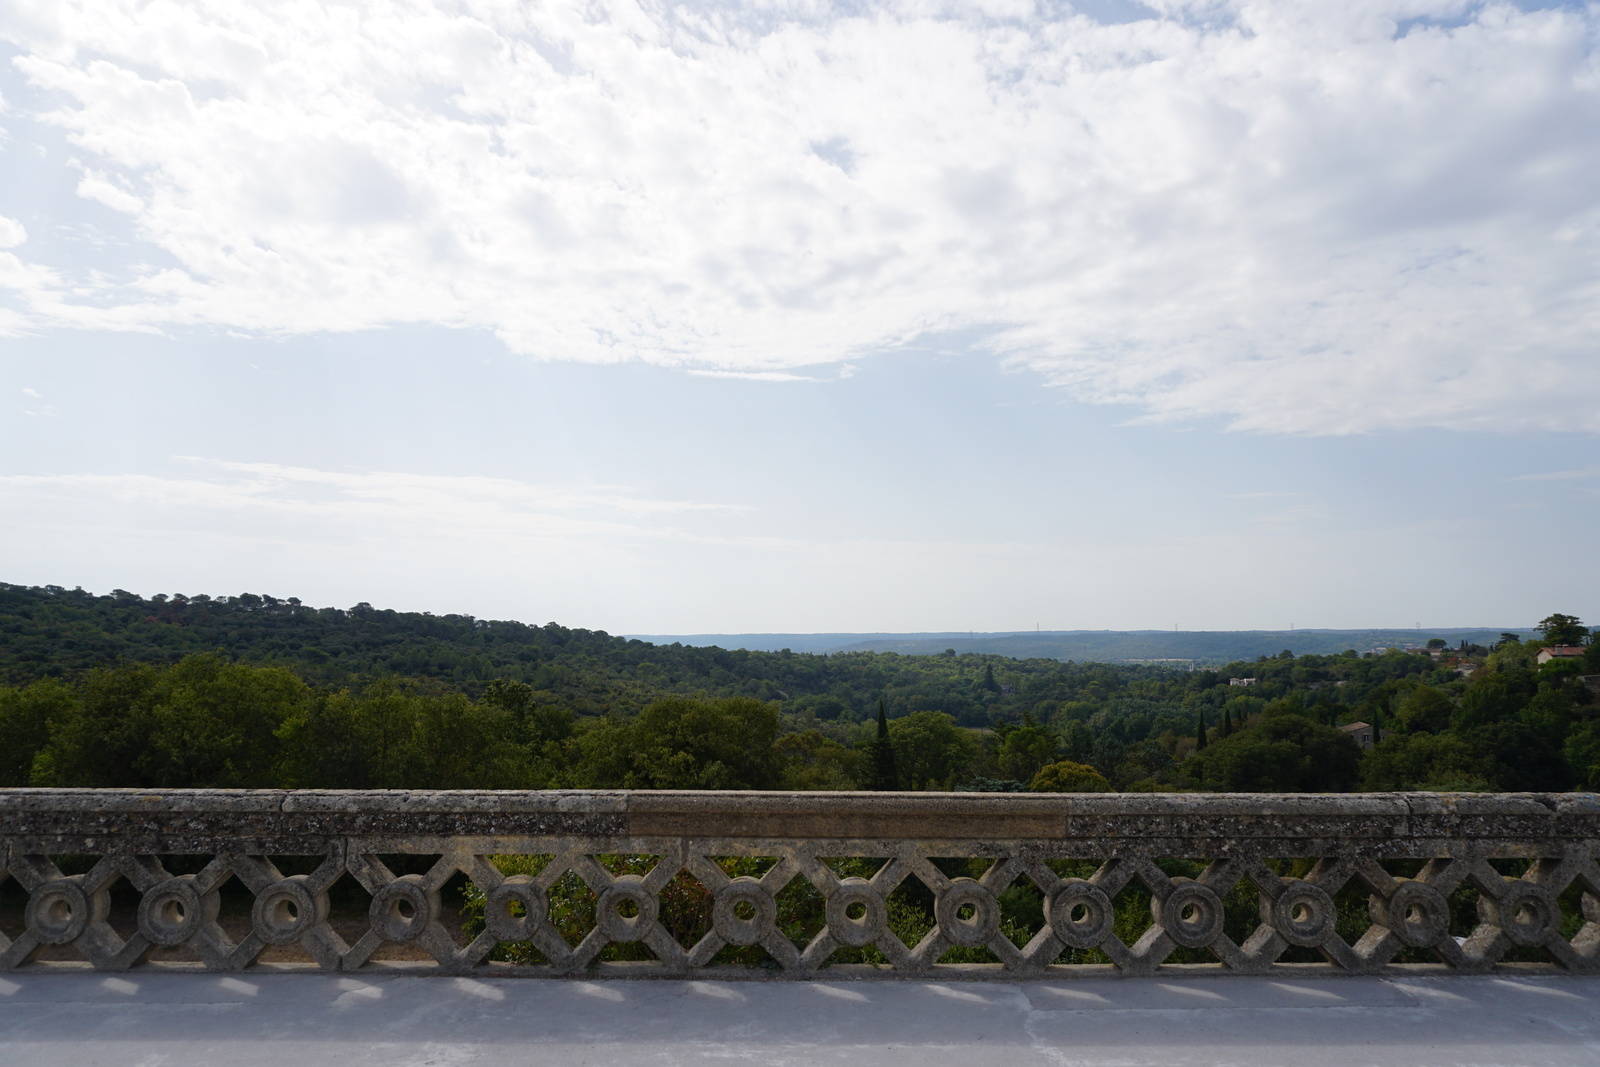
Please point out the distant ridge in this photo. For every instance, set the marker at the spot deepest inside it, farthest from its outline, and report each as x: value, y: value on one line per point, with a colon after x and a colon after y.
x: 797, y: 642
x: 1203, y: 647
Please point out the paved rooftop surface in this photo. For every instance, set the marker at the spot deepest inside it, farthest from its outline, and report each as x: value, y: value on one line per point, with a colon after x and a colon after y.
x: 149, y: 1019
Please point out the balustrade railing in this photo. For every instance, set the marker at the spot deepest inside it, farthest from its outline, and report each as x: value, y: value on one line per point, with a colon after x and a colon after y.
x: 808, y: 885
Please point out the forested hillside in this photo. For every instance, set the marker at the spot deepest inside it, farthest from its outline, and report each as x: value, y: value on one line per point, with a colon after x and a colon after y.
x: 254, y: 691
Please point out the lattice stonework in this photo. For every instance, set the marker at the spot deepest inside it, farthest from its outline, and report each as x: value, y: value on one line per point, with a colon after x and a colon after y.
x: 124, y: 843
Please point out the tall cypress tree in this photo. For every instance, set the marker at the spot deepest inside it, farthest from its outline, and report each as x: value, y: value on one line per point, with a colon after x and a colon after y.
x: 1227, y: 723
x: 885, y: 777
x: 1199, y: 729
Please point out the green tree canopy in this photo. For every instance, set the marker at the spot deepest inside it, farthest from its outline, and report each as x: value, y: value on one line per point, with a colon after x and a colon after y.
x: 1023, y: 751
x: 1425, y: 709
x: 202, y: 722
x: 1282, y: 753
x: 1425, y: 761
x: 1562, y: 630
x: 683, y: 743
x: 883, y: 772
x: 814, y: 761
x: 25, y: 718
x: 1066, y: 776
x: 930, y: 749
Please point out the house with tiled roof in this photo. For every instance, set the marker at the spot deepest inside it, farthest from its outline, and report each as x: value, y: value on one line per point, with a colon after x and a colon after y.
x: 1364, y: 733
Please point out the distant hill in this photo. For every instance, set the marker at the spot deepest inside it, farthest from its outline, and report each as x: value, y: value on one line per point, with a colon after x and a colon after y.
x: 121, y: 690
x: 797, y: 642
x: 50, y: 632
x: 1204, y: 647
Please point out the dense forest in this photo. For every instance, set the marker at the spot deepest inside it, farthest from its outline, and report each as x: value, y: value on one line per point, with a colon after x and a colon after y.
x: 255, y: 691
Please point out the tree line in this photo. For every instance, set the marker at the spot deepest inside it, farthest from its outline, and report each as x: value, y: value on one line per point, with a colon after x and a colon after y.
x: 171, y: 692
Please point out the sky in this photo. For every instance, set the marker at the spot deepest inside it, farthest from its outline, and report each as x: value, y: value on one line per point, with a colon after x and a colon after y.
x: 798, y: 316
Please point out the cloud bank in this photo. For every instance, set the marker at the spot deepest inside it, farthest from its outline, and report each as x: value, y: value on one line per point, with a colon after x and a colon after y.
x: 1304, y: 218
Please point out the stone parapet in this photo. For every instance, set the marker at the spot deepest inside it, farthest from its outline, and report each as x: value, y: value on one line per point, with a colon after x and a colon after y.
x: 1520, y: 866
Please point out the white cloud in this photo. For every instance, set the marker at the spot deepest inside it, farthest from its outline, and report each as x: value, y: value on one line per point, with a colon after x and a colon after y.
x: 1560, y: 476
x: 95, y: 187
x: 756, y: 375
x: 379, y: 497
x: 46, y: 410
x: 1303, y: 218
x: 12, y: 233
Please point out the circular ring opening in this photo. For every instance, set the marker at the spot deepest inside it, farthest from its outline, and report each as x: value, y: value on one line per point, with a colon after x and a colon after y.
x: 172, y: 911
x: 1303, y: 914
x: 1416, y: 913
x: 514, y: 908
x: 59, y: 912
x: 1191, y: 913
x: 856, y: 914
x: 1530, y: 914
x: 286, y: 909
x: 743, y: 912
x: 967, y: 913
x: 627, y: 909
x: 403, y: 909
x: 1080, y: 914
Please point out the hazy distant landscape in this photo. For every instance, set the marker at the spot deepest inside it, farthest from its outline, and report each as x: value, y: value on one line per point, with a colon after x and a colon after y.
x: 1203, y: 647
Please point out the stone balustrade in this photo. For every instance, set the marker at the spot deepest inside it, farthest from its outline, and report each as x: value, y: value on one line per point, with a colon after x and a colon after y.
x: 1454, y: 882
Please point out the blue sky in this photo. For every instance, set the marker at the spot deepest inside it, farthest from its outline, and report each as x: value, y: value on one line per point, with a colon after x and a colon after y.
x: 801, y: 318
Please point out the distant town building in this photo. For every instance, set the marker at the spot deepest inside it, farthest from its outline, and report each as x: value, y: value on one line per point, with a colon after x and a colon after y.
x: 1362, y: 732
x: 1551, y: 652
x: 1008, y: 690
x: 1241, y: 681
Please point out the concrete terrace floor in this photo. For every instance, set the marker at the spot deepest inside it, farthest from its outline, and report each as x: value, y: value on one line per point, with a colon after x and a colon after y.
x: 148, y: 1019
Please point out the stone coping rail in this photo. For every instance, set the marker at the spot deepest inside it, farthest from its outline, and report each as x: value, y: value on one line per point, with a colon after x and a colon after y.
x: 1454, y: 883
